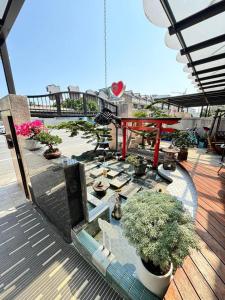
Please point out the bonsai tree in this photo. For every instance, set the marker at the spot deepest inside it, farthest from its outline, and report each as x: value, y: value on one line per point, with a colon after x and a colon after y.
x: 162, y: 232
x: 182, y: 139
x: 50, y: 141
x: 90, y: 131
x: 140, y: 114
x: 139, y: 163
x: 155, y: 111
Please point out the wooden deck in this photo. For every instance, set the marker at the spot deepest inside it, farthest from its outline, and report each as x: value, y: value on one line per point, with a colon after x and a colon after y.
x: 202, y: 275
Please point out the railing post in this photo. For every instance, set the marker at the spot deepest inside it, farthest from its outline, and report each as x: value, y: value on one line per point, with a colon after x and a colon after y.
x: 85, y: 104
x: 58, y: 104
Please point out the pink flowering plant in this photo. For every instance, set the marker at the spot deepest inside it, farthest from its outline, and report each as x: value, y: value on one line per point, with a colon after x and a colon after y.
x: 30, y: 129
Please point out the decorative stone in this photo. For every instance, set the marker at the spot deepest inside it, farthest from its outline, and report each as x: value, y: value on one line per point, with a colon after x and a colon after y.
x: 169, y: 161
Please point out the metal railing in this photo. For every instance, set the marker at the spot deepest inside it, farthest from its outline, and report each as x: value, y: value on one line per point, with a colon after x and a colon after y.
x: 68, y: 104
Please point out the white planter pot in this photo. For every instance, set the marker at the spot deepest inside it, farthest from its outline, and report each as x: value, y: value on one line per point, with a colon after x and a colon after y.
x: 156, y: 284
x: 32, y: 145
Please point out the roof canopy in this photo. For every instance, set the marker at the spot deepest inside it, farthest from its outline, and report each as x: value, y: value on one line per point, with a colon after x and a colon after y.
x: 196, y: 28
x: 198, y: 99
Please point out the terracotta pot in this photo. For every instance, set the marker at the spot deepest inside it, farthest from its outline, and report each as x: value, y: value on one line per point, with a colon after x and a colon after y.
x: 52, y: 155
x: 32, y: 145
x: 156, y: 284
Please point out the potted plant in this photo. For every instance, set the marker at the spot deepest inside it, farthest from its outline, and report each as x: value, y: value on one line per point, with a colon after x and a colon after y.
x: 50, y: 141
x: 139, y: 163
x: 162, y: 232
x: 182, y: 140
x: 30, y: 130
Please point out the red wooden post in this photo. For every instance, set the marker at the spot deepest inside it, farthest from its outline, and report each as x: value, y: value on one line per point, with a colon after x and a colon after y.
x: 124, y: 149
x: 157, y: 144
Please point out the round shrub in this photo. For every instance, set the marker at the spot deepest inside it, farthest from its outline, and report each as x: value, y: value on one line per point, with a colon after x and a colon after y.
x: 157, y: 225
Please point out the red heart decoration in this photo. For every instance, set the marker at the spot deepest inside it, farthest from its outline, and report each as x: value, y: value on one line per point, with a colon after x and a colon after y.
x: 118, y: 88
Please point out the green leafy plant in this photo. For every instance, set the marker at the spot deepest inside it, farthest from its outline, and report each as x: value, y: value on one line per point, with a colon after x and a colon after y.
x: 155, y: 111
x: 140, y: 114
x: 49, y: 140
x: 133, y: 160
x: 182, y: 139
x: 159, y: 228
x: 92, y: 106
x: 89, y: 130
x: 77, y: 104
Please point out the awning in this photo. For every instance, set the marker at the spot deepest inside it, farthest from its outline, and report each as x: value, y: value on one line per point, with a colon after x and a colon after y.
x: 196, y: 28
x: 198, y: 99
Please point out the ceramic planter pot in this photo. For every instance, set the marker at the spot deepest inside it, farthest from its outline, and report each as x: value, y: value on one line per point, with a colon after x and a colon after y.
x: 183, y: 154
x: 52, y: 155
x: 32, y: 145
x: 156, y: 284
x: 140, y: 169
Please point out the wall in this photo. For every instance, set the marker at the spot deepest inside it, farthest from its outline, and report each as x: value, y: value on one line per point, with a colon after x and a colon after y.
x: 15, y: 106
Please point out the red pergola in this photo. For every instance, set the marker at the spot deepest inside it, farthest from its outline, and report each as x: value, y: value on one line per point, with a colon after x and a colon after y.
x: 140, y: 124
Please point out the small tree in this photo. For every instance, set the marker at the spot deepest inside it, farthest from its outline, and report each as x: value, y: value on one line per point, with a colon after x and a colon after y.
x: 90, y: 131
x: 159, y: 228
x: 92, y: 106
x: 140, y: 114
x: 155, y: 111
x: 76, y: 104
x: 49, y: 140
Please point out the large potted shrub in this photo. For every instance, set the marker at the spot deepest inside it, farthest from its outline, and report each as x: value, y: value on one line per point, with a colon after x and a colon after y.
x: 50, y: 141
x: 162, y: 232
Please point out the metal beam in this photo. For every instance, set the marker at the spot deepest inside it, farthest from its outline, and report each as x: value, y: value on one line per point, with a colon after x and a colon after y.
x: 206, y: 60
x: 198, y: 17
x: 212, y: 86
x: 11, y: 13
x: 212, y: 82
x: 208, y: 70
x: 7, y: 69
x: 210, y: 77
x: 207, y: 43
x: 165, y: 4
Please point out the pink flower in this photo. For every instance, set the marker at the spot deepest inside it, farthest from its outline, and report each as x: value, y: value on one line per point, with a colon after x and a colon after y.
x: 30, y: 129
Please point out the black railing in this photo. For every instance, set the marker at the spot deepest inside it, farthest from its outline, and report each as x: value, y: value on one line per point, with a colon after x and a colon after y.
x: 68, y: 104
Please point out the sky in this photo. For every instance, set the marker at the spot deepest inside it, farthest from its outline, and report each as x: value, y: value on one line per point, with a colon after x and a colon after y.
x: 62, y: 42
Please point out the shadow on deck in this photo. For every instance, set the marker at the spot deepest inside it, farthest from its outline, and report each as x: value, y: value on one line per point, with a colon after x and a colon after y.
x: 35, y: 263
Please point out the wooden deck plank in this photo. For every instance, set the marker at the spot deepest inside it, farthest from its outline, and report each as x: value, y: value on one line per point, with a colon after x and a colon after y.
x: 213, y: 260
x: 214, y: 281
x: 211, y: 211
x: 172, y: 293
x: 210, y: 241
x: 202, y: 275
x: 184, y: 286
x: 210, y: 229
x: 212, y: 221
x: 197, y: 280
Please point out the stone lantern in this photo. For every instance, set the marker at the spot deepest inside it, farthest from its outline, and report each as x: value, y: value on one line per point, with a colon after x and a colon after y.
x: 169, y: 161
